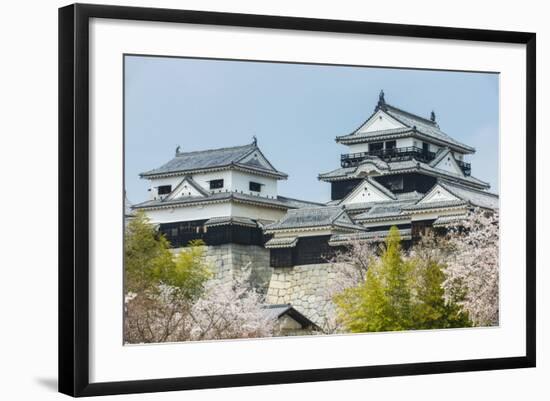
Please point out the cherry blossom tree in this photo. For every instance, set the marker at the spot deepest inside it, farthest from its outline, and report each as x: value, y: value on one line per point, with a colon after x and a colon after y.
x: 472, y: 266
x: 229, y: 310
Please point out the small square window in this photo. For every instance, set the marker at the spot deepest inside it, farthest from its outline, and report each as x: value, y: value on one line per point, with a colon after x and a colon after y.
x: 164, y: 189
x: 215, y: 184
x: 255, y: 186
x: 373, y: 147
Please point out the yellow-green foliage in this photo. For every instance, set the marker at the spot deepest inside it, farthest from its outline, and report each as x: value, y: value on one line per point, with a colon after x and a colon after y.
x: 398, y: 294
x: 149, y: 262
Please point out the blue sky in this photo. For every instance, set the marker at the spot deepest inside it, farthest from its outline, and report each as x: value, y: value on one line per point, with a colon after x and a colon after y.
x: 294, y: 110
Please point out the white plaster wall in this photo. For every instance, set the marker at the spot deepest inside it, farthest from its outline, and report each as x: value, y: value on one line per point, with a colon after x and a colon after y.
x: 197, y: 212
x: 232, y: 181
x: 241, y: 180
x: 256, y: 212
x: 380, y: 121
x: 157, y: 182
x: 438, y: 194
x: 366, y: 193
x: 203, y: 179
x: 448, y: 164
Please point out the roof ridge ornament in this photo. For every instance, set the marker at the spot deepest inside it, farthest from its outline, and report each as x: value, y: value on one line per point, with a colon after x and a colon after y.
x: 432, y: 116
x: 178, y: 148
x: 254, y: 140
x: 381, y: 105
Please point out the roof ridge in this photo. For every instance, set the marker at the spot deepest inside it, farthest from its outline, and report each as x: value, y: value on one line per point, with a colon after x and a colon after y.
x: 381, y: 187
x: 444, y: 182
x: 321, y: 206
x: 252, y: 145
x: 301, y: 200
x: 442, y: 152
x: 411, y: 114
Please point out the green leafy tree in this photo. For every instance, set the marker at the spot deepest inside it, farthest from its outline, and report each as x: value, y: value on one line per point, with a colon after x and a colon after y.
x: 431, y: 310
x: 400, y: 293
x: 160, y: 287
x: 383, y: 301
x: 147, y: 255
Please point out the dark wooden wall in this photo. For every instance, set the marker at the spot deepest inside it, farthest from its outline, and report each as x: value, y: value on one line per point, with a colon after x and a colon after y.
x: 308, y: 251
x: 179, y: 234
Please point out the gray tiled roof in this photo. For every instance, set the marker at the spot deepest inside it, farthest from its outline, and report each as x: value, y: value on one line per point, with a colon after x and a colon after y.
x: 423, y: 125
x: 368, y: 236
x: 384, y: 210
x: 279, y: 202
x: 282, y: 242
x: 230, y: 220
x: 473, y: 196
x: 313, y: 217
x: 402, y: 167
x: 213, y: 159
x: 414, y: 125
x: 276, y: 311
x: 403, y: 199
x: 445, y: 220
x: 436, y: 205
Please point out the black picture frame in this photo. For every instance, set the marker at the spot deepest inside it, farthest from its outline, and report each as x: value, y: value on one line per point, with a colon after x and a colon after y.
x: 74, y: 198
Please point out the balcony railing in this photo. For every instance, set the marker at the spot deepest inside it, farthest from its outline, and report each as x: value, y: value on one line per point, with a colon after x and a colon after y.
x: 394, y: 154
x: 398, y: 154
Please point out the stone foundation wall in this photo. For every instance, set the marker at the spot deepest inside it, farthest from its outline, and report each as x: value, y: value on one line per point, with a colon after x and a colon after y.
x: 306, y: 287
x: 230, y: 261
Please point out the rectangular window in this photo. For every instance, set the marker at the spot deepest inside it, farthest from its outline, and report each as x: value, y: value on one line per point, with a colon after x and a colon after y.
x: 164, y: 189
x: 425, y: 147
x: 395, y: 183
x: 216, y: 184
x: 375, y: 147
x: 391, y: 144
x: 255, y: 186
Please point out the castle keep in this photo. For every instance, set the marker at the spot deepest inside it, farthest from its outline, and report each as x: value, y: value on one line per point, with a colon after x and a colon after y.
x: 401, y: 170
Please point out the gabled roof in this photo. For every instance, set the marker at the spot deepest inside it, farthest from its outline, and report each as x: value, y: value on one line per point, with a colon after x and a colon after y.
x: 475, y: 197
x: 192, y: 183
x: 440, y: 156
x: 235, y: 157
x: 279, y: 202
x: 276, y: 311
x: 413, y: 125
x: 318, y: 217
x: 230, y: 220
x: 282, y: 242
x: 457, y: 195
x: 368, y: 182
x: 385, y: 210
x: 400, y: 167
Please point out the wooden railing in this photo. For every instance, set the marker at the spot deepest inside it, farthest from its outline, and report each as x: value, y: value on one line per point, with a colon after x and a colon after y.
x: 393, y: 154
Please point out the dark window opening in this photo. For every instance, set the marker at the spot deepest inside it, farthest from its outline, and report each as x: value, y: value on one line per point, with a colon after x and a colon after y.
x: 425, y: 147
x: 215, y: 184
x: 164, y: 189
x: 255, y: 186
x: 391, y: 145
x: 395, y: 183
x: 373, y: 147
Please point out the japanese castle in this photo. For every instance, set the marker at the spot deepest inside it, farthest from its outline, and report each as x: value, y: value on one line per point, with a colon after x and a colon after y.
x: 401, y: 170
